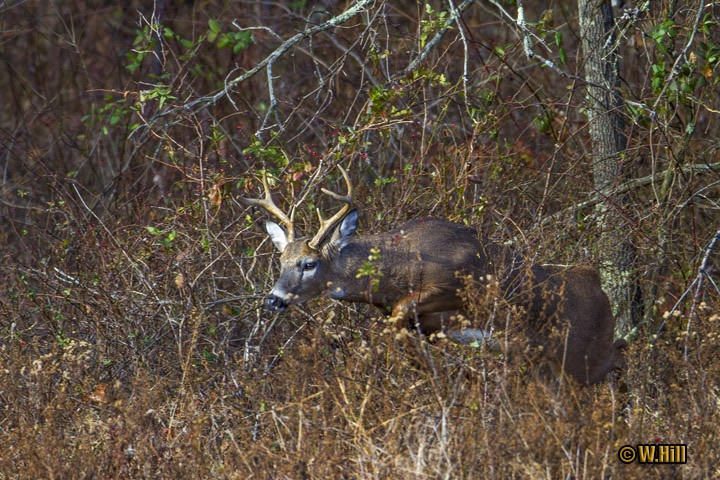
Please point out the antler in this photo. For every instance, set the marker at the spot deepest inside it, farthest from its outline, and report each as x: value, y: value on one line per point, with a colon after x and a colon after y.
x: 327, y: 225
x: 268, y: 204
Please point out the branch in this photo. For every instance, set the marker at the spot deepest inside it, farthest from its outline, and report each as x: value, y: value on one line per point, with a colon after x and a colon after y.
x: 683, y: 55
x: 204, y: 102
x: 697, y: 283
x: 430, y: 46
x: 526, y: 33
x: 702, y: 274
x: 350, y: 52
x: 527, y: 45
x: 628, y: 186
x: 456, y: 17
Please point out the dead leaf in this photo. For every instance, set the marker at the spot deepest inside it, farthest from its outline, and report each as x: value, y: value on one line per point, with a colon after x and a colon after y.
x: 99, y: 395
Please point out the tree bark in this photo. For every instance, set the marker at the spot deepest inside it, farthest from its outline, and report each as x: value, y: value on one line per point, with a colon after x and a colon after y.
x: 607, y: 133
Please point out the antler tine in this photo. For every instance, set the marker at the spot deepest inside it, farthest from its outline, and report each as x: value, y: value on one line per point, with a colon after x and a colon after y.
x: 268, y: 205
x: 327, y: 225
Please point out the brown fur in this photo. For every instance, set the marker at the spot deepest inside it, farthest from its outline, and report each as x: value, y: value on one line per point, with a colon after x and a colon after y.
x: 420, y: 272
x: 570, y: 315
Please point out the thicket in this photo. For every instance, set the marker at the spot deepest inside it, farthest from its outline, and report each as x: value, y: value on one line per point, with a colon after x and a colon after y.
x: 132, y: 338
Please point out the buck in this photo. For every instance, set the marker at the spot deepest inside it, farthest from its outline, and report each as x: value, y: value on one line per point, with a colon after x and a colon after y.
x: 420, y: 270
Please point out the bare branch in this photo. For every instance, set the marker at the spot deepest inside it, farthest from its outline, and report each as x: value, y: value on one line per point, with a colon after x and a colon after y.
x: 455, y: 15
x: 204, y: 102
x: 683, y: 55
x: 430, y: 46
x: 530, y: 53
x: 702, y: 274
x: 629, y: 186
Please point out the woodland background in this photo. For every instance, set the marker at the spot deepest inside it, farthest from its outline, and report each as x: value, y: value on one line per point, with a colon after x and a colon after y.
x: 132, y: 338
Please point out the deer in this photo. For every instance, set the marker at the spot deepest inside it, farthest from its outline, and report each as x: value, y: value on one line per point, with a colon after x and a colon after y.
x: 420, y: 270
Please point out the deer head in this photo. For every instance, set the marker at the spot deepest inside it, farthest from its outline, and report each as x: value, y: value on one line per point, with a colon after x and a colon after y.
x: 306, y: 265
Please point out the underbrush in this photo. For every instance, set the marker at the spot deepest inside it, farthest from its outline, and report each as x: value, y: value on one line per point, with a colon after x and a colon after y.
x: 104, y: 382
x: 139, y: 349
x: 133, y: 343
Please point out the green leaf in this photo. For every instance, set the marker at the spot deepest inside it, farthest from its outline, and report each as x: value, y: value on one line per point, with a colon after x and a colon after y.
x: 223, y: 41
x: 115, y: 117
x: 214, y: 26
x: 153, y: 230
x: 563, y: 56
x: 238, y: 47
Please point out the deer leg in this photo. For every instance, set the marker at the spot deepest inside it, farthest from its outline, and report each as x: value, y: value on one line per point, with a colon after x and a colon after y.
x: 437, y: 321
x: 423, y: 302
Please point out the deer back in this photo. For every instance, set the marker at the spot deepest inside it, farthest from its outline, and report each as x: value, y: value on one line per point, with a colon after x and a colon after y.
x: 424, y: 254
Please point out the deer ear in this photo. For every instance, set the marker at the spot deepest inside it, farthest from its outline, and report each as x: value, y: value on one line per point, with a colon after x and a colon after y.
x: 277, y: 235
x: 342, y: 234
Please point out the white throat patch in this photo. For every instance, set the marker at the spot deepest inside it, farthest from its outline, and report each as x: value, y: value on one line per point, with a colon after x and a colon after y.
x: 337, y: 293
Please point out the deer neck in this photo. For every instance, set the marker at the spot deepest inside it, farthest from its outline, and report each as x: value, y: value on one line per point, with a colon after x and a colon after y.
x: 344, y: 282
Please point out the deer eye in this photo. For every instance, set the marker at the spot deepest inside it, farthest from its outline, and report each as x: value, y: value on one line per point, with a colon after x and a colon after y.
x: 309, y: 265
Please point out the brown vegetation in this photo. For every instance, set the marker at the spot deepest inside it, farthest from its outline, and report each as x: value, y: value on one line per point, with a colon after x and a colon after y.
x: 132, y: 339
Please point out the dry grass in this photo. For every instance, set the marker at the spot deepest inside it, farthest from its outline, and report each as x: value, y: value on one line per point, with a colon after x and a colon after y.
x: 132, y: 342
x: 92, y: 391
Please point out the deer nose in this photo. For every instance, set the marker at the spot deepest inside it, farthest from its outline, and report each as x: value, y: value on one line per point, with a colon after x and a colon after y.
x: 273, y: 302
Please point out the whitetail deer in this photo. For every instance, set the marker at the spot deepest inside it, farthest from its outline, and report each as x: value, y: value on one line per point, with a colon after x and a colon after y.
x: 419, y: 275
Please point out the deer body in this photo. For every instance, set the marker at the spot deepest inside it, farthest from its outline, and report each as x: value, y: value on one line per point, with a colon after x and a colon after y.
x: 420, y: 270
x: 569, y: 304
x: 411, y: 265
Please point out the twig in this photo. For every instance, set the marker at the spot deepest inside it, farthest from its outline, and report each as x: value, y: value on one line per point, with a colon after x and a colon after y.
x: 697, y: 283
x: 530, y: 53
x: 683, y: 55
x: 348, y: 51
x: 273, y: 108
x: 313, y: 57
x: 277, y: 356
x: 430, y: 46
x: 455, y: 15
x: 133, y: 262
x: 527, y: 45
x: 215, y: 303
x: 628, y: 186
x: 204, y: 102
x: 702, y: 274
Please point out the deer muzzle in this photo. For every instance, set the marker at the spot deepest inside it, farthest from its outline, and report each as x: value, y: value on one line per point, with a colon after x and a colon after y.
x: 275, y: 303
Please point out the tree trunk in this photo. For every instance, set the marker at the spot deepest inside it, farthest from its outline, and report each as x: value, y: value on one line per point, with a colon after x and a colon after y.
x: 607, y: 133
